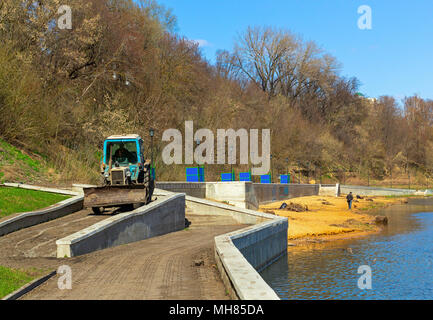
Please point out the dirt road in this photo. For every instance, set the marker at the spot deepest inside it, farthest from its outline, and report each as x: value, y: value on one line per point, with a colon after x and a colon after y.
x: 175, y: 266
x: 40, y: 240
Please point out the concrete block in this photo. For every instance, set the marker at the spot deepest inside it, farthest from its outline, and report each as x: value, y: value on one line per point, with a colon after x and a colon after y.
x: 330, y: 190
x: 239, y: 194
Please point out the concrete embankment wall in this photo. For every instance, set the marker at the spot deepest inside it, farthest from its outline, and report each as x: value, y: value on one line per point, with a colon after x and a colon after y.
x: 193, y: 189
x: 332, y: 190
x: 266, y: 193
x: 374, y: 191
x: 263, y: 244
x: 159, y: 217
x: 251, y: 195
x: 241, y: 253
x: 241, y: 194
x: 28, y: 219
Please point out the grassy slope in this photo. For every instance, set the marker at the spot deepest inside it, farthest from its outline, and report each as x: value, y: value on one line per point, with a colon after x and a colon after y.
x: 18, y: 166
x: 14, y: 200
x: 11, y: 279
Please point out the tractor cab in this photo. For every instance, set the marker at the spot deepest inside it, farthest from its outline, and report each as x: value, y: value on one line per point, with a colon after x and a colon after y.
x: 126, y: 175
x: 123, y: 160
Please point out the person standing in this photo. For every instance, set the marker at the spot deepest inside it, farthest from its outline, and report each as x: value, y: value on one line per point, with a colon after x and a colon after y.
x: 349, y: 200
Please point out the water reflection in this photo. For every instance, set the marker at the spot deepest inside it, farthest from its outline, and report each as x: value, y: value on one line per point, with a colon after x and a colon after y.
x: 400, y: 257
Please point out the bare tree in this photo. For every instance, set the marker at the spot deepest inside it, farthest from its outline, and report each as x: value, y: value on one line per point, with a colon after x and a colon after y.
x: 259, y: 54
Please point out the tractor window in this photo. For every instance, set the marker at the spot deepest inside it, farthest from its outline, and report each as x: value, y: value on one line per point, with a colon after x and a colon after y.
x: 125, y: 153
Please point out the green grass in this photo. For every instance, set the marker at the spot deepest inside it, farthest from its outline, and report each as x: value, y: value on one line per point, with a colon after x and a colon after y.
x: 373, y: 206
x: 15, y: 200
x: 11, y: 280
x: 19, y: 165
x: 10, y: 155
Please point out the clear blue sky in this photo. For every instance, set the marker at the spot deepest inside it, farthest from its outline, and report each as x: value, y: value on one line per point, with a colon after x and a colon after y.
x: 395, y: 57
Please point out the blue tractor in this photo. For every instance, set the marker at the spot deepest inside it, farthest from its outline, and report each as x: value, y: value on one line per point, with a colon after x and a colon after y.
x: 126, y: 175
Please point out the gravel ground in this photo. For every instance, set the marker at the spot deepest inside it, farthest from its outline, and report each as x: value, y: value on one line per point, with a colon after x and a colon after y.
x: 177, y: 266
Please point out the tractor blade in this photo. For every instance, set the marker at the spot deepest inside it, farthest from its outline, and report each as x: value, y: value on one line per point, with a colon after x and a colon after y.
x: 112, y: 196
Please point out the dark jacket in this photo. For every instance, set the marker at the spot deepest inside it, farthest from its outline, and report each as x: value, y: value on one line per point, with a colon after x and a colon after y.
x: 349, y: 197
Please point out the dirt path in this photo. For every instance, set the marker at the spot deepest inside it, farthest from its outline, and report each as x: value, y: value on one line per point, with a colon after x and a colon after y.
x: 40, y: 240
x: 158, y: 268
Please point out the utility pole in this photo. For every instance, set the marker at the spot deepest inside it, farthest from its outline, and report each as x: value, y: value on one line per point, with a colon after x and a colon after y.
x: 198, y: 141
x: 272, y: 171
x: 252, y: 177
x: 152, y: 165
x: 231, y: 164
x: 151, y: 133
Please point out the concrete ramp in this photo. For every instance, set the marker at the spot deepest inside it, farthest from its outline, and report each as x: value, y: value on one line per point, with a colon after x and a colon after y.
x: 160, y: 217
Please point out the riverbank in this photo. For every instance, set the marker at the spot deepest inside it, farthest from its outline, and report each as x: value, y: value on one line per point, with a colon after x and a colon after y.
x: 398, y: 256
x: 325, y: 218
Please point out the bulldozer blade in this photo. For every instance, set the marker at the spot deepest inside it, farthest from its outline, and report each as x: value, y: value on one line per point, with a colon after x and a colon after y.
x: 112, y: 196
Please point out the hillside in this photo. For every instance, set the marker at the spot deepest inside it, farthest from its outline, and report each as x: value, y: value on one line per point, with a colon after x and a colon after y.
x: 18, y: 166
x: 124, y: 69
x: 23, y: 166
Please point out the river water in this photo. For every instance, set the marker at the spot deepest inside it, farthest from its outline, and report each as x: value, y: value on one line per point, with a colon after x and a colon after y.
x: 400, y: 259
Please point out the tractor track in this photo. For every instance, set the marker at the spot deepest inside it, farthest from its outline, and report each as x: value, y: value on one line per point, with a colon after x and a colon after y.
x: 159, y: 268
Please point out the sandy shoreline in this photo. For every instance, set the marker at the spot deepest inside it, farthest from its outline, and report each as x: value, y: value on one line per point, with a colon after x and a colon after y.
x: 329, y: 219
